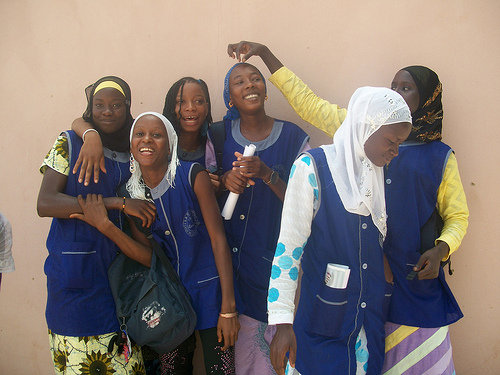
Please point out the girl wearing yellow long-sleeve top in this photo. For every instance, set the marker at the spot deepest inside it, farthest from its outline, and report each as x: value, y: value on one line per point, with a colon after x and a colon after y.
x: 424, y: 176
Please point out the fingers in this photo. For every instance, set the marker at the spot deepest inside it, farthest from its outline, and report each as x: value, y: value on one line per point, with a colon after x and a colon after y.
x: 219, y: 334
x: 292, y: 354
x: 279, y: 363
x: 96, y: 173
x: 430, y: 271
x: 77, y: 164
x: 83, y: 169
x: 76, y: 216
x: 102, y: 165
x: 88, y: 173
x: 230, y: 49
x: 421, y: 262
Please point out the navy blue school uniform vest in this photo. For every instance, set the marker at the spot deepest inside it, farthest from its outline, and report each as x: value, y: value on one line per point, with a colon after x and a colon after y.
x: 180, y: 229
x: 79, y: 300
x: 197, y: 156
x: 328, y: 320
x: 411, y: 185
x: 253, y: 230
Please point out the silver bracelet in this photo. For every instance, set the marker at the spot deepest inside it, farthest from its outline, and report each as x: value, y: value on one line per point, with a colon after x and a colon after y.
x: 88, y: 130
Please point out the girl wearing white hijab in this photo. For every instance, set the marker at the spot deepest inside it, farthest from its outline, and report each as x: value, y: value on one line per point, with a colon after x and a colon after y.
x: 333, y: 226
x: 189, y: 228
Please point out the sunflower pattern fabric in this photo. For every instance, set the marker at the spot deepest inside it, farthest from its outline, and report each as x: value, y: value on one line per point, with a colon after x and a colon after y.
x: 58, y: 157
x: 89, y: 356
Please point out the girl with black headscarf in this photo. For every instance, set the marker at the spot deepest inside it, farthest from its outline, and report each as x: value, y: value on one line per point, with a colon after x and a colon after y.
x: 424, y: 176
x: 80, y: 311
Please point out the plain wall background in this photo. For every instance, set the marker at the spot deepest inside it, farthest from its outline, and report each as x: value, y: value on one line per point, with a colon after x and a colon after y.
x: 51, y: 50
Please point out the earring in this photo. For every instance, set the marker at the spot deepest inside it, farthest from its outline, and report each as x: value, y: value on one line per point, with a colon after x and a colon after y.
x: 132, y: 164
x: 265, y: 98
x: 230, y: 104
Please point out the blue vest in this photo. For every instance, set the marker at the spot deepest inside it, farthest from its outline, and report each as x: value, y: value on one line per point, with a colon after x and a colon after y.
x: 79, y: 300
x: 181, y: 230
x: 412, y: 182
x: 253, y: 230
x: 328, y: 320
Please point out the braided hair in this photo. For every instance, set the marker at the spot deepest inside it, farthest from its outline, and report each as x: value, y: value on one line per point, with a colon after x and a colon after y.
x: 171, y: 102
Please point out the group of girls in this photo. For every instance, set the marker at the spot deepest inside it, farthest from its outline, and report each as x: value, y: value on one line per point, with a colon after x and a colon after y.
x: 242, y: 273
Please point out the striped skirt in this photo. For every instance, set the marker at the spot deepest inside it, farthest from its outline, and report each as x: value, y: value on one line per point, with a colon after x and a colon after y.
x: 417, y: 351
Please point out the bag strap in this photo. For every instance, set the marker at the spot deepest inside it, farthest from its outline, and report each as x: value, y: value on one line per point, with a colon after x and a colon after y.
x: 217, y: 133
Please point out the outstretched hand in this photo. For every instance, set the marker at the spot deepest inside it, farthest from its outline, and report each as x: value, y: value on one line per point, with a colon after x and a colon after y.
x: 283, y: 341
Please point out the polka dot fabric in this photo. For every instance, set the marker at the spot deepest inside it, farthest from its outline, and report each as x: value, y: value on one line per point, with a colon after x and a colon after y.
x: 301, y: 199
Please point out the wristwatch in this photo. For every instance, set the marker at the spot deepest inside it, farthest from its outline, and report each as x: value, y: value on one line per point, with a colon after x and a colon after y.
x: 273, y: 178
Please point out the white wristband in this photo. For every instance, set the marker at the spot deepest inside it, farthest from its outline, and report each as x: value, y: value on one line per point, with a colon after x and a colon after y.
x: 86, y: 131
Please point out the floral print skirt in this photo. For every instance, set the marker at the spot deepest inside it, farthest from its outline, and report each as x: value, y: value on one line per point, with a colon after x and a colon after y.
x: 89, y: 356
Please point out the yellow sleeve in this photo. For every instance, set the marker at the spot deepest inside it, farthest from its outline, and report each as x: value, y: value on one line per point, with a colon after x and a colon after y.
x: 452, y: 206
x: 316, y: 111
x: 58, y: 157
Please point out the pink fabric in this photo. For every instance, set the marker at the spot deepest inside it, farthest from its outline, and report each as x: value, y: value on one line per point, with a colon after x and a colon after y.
x: 252, y: 348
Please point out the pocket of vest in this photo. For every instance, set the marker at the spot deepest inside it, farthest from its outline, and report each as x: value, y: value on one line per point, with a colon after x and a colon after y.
x: 328, y: 313
x: 78, y: 265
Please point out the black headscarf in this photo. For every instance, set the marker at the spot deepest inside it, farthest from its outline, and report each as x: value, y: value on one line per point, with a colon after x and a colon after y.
x: 119, y: 140
x: 428, y: 118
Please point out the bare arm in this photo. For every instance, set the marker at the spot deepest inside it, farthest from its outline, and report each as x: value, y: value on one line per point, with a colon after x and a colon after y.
x: 243, y: 50
x: 95, y: 214
x: 311, y: 108
x: 228, y: 327
x: 91, y: 157
x: 53, y: 202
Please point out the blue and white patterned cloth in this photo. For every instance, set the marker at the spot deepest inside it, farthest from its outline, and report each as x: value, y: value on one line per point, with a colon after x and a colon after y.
x: 301, y: 202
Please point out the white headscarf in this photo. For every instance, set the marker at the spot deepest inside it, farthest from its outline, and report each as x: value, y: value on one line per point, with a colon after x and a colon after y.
x: 135, y: 185
x: 359, y: 182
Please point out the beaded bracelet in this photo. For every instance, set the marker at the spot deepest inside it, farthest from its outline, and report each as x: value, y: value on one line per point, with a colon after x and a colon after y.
x: 228, y: 315
x: 123, y: 205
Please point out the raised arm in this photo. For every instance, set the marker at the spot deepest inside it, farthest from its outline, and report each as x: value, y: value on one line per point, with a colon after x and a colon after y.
x: 229, y: 326
x: 243, y: 50
x: 91, y: 157
x: 311, y: 108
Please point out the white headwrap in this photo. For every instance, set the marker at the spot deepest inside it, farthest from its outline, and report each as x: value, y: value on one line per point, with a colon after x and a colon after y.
x: 359, y: 182
x: 135, y: 185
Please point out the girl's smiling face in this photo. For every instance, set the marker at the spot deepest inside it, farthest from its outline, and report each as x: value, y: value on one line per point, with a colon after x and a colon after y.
x: 192, y: 109
x: 150, y: 145
x: 109, y: 110
x: 247, y: 89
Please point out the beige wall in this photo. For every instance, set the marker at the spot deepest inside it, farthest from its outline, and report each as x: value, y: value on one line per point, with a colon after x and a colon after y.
x: 50, y: 50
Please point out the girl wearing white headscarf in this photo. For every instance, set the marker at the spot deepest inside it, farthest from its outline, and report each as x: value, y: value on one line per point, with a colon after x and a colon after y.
x: 333, y: 226
x: 189, y: 228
